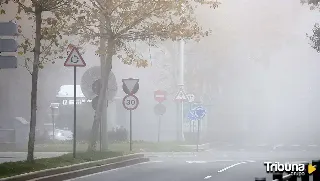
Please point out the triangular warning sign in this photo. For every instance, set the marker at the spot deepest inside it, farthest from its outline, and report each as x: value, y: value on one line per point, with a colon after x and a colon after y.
x: 75, y: 59
x: 181, y: 95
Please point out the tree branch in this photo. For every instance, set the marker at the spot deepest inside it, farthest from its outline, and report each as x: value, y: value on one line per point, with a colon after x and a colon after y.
x: 138, y: 21
x: 47, y: 48
x: 99, y: 5
x: 24, y: 7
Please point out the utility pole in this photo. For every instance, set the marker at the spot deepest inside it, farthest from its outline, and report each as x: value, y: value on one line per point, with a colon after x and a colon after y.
x: 102, y: 51
x: 182, y: 84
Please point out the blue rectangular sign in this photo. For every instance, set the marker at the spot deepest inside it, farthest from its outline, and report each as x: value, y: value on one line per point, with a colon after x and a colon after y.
x: 7, y: 62
x: 8, y: 45
x: 8, y: 29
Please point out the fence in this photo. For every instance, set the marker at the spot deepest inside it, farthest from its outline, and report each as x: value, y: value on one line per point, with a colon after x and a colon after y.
x: 290, y: 177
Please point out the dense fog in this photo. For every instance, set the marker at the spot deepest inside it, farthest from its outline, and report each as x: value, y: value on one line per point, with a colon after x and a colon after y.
x: 256, y: 75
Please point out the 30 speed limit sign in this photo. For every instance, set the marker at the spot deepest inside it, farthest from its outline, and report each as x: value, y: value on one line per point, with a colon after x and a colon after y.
x: 130, y: 102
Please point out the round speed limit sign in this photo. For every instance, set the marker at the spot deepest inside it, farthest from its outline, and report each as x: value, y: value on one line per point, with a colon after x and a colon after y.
x: 130, y: 102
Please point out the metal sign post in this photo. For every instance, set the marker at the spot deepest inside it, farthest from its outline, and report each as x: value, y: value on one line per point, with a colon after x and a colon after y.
x: 130, y: 130
x: 159, y: 128
x: 159, y: 110
x: 74, y: 111
x: 74, y: 60
x: 130, y: 101
x: 199, y: 113
x: 198, y: 135
x: 180, y: 97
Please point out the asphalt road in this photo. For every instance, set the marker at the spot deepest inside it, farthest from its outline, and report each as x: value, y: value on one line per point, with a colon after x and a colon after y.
x: 215, y: 164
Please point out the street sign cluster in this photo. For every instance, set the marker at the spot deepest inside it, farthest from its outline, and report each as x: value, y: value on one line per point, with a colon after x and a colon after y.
x: 160, y: 109
x: 130, y: 87
x: 160, y: 96
x: 182, y: 96
x: 130, y: 101
x: 8, y: 45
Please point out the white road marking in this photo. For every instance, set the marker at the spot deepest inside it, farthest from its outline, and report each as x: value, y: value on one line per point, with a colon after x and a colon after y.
x: 113, y: 170
x: 207, y: 177
x: 262, y: 144
x: 222, y: 161
x: 275, y: 147
x: 295, y: 145
x: 210, y: 161
x: 251, y: 161
x: 241, y: 149
x: 157, y: 161
x: 313, y: 145
x: 196, y: 161
x: 226, y: 168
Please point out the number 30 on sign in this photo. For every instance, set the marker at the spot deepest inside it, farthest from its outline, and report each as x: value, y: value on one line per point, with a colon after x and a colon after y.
x: 130, y: 102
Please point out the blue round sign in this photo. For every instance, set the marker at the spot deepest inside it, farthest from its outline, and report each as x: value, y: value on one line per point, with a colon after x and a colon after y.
x: 191, y: 115
x: 199, y: 112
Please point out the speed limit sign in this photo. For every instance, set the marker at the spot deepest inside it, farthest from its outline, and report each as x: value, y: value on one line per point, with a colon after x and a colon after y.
x: 130, y: 102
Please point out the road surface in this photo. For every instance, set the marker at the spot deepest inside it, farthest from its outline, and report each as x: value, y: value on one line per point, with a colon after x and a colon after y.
x: 216, y: 164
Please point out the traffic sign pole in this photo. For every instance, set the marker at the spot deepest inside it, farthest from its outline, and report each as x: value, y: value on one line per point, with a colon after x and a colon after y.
x: 74, y: 60
x: 193, y: 125
x: 74, y: 111
x: 130, y: 101
x: 159, y: 128
x: 198, y: 135
x: 130, y: 130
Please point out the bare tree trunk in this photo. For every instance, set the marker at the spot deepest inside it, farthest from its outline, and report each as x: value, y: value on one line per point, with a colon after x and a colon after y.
x: 35, y: 72
x: 106, y: 66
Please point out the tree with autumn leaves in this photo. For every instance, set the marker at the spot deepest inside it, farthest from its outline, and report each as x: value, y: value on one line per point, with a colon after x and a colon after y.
x: 116, y: 25
x: 41, y: 40
x: 123, y: 24
x: 315, y: 37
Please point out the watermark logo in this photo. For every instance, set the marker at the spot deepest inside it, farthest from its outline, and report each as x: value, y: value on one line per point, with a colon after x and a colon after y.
x: 297, y: 169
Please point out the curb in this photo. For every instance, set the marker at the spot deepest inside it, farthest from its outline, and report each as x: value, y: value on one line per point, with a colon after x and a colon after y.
x: 203, y: 146
x: 73, y: 168
x: 92, y: 170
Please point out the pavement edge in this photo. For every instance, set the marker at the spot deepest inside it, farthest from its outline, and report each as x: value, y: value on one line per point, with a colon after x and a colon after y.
x: 111, y: 163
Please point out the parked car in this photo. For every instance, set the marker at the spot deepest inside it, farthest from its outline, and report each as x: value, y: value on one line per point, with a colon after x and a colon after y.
x: 61, y: 135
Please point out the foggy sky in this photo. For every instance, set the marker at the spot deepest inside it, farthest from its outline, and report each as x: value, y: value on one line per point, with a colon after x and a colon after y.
x: 258, y: 57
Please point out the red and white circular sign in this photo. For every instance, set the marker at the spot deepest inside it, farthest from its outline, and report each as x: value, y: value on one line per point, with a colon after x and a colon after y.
x: 130, y: 102
x: 160, y: 95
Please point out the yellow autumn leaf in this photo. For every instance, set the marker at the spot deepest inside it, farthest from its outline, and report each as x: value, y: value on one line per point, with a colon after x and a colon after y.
x: 20, y: 53
x: 2, y: 11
